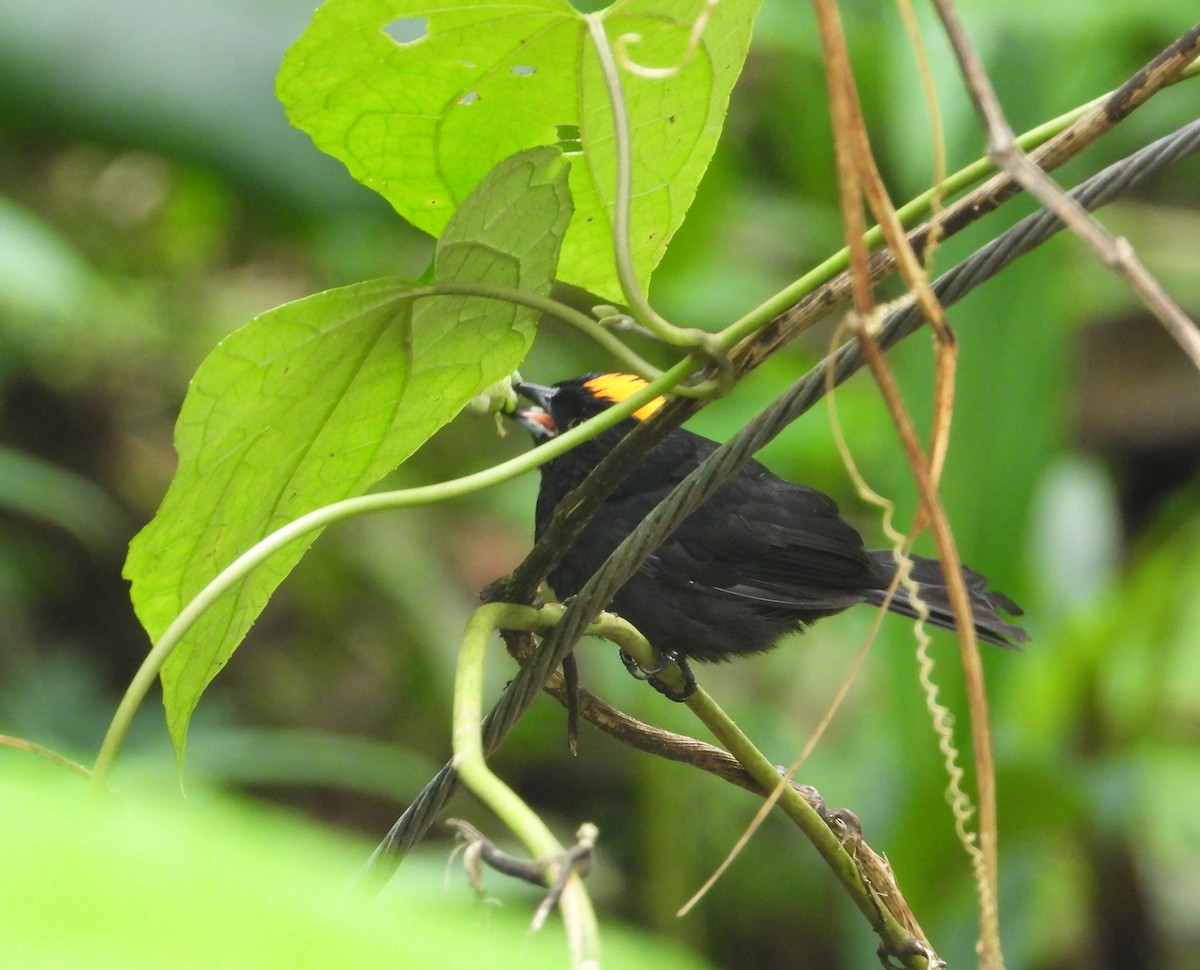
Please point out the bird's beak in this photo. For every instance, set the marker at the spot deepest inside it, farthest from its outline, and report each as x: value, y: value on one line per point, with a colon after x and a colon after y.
x: 539, y: 394
x: 537, y: 422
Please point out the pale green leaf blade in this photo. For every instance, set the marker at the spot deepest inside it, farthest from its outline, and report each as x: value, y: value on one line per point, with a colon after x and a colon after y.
x: 421, y: 121
x: 286, y: 414
x: 314, y: 401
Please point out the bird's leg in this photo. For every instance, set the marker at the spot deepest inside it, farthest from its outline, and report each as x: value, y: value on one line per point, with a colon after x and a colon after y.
x: 570, y: 670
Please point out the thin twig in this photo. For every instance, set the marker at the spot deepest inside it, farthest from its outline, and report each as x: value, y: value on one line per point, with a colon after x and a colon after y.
x: 42, y: 751
x: 1164, y: 69
x: 1116, y: 253
x: 858, y: 174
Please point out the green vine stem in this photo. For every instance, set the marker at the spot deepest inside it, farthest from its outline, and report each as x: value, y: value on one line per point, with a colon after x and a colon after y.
x: 567, y: 314
x: 688, y: 338
x: 716, y: 346
x: 896, y: 938
x: 578, y: 915
x: 471, y: 765
x: 908, y: 214
x: 237, y: 570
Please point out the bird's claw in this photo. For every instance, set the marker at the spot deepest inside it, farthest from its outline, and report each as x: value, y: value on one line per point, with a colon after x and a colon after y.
x: 638, y: 672
x: 650, y: 674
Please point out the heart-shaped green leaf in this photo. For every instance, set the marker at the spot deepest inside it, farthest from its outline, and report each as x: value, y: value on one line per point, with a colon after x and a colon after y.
x: 315, y: 401
x: 419, y: 100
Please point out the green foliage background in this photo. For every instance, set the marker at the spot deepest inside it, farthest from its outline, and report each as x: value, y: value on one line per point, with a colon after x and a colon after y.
x: 154, y: 199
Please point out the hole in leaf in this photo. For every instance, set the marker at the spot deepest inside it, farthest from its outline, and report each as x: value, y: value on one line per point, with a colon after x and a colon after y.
x: 524, y: 70
x: 408, y: 30
x: 570, y: 141
x: 469, y: 98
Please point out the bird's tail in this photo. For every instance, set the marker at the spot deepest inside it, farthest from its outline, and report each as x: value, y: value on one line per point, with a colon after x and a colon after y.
x: 986, y: 604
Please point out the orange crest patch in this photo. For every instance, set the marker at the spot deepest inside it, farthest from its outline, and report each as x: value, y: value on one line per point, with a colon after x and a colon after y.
x: 618, y: 387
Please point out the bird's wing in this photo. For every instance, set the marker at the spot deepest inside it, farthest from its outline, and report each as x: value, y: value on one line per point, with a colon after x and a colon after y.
x: 772, y: 542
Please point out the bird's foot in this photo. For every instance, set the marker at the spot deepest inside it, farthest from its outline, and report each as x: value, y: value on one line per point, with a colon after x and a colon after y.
x: 650, y: 674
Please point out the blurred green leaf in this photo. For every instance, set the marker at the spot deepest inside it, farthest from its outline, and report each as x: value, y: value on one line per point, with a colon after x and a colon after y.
x: 420, y: 100
x: 1076, y: 533
x: 214, y: 883
x: 304, y: 758
x: 40, y: 273
x: 45, y: 491
x: 314, y: 401
x: 94, y: 69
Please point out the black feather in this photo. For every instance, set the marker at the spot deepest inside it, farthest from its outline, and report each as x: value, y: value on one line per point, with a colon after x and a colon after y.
x: 761, y: 558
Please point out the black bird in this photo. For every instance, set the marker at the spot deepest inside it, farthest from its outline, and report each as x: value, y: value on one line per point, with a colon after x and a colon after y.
x: 761, y: 558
